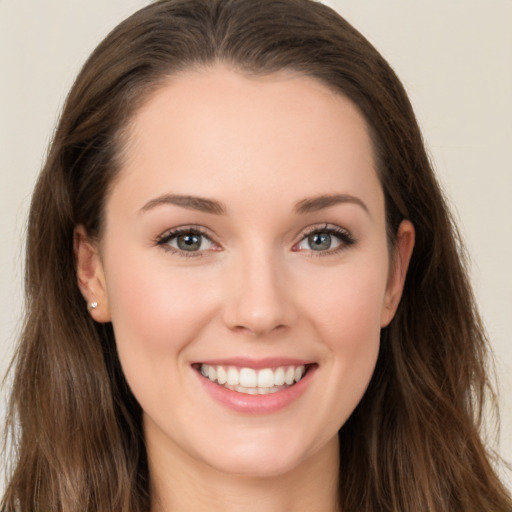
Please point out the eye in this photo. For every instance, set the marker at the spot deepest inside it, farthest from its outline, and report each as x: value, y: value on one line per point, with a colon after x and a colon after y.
x: 319, y: 241
x: 186, y: 241
x: 327, y: 239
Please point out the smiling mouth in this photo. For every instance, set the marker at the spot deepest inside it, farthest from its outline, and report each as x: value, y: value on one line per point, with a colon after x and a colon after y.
x: 254, y: 382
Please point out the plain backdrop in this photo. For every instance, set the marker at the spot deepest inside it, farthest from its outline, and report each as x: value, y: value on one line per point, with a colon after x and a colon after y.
x: 453, y: 56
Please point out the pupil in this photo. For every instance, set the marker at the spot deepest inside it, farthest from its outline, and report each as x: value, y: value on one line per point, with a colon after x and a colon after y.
x: 319, y: 241
x: 189, y: 242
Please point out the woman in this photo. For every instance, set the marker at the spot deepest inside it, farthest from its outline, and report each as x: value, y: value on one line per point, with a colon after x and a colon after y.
x: 244, y: 287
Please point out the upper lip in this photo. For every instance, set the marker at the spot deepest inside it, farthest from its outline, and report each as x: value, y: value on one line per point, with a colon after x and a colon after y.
x: 245, y: 362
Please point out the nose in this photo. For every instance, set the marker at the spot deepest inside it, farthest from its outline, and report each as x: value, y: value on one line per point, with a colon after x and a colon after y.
x: 258, y: 296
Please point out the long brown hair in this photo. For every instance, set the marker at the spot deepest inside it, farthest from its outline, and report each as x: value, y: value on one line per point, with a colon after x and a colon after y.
x: 412, y: 444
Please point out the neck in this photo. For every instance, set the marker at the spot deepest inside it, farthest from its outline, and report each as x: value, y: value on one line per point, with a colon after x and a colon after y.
x: 179, y: 482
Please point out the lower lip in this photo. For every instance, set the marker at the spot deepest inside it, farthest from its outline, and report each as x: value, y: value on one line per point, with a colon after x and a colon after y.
x: 257, y: 404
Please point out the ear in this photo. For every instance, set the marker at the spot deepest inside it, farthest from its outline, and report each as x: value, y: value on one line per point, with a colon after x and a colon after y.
x: 90, y: 275
x: 398, y: 271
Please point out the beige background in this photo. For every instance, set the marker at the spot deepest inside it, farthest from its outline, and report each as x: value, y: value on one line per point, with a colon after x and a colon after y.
x: 454, y: 57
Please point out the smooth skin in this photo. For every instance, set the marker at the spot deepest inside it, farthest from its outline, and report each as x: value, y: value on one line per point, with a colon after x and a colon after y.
x: 287, y: 257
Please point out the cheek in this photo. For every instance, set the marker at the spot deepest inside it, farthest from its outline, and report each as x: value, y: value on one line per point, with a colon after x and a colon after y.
x: 156, y: 312
x: 347, y: 319
x: 154, y: 304
x: 347, y: 304
x: 351, y: 323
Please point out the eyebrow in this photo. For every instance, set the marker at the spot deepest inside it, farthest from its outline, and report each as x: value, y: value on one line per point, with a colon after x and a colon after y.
x: 202, y: 204
x: 319, y: 203
x: 190, y: 202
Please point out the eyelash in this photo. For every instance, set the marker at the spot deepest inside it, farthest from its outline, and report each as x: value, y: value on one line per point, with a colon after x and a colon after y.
x: 163, y: 240
x: 345, y: 238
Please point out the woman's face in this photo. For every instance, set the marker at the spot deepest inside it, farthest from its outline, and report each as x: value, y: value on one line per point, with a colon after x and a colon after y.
x: 245, y: 246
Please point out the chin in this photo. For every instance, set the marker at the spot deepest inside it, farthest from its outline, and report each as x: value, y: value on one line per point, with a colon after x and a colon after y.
x: 257, y: 463
x: 265, y: 455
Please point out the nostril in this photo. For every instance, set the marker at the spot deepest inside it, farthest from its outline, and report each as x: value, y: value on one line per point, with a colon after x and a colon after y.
x: 258, y: 329
x: 257, y: 298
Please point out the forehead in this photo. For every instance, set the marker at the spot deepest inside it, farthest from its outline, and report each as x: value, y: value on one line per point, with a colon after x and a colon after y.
x: 218, y: 132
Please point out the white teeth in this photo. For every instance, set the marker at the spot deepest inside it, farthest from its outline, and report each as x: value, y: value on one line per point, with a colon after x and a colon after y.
x: 289, y: 375
x: 222, y: 376
x: 254, y: 391
x: 265, y: 378
x: 279, y: 377
x: 253, y: 382
x: 233, y: 376
x: 248, y: 378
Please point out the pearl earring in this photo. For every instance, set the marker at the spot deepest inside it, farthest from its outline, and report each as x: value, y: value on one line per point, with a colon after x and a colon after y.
x: 92, y: 305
